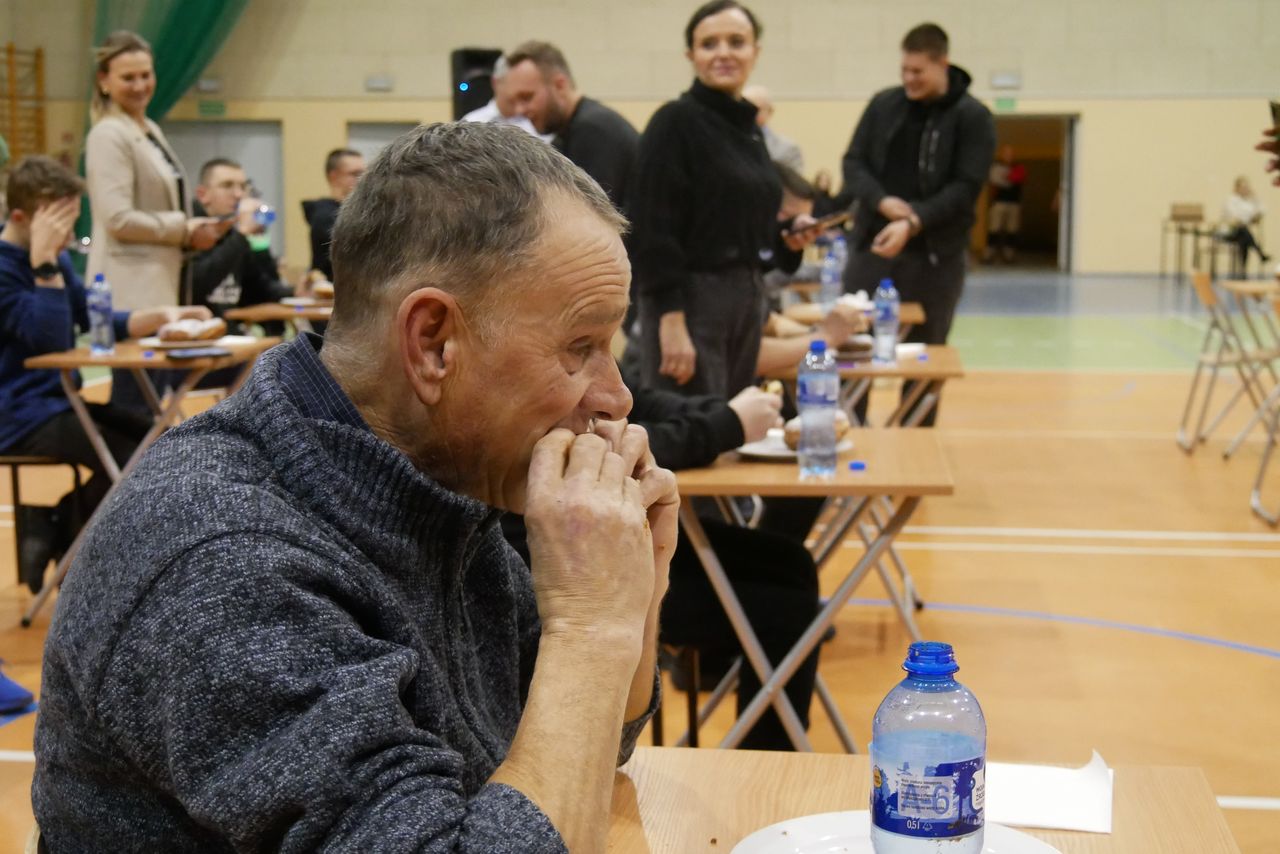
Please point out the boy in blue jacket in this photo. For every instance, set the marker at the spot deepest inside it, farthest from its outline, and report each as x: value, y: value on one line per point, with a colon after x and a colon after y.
x: 42, y: 307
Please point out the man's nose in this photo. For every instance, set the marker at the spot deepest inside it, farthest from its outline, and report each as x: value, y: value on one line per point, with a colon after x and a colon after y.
x: 609, y: 399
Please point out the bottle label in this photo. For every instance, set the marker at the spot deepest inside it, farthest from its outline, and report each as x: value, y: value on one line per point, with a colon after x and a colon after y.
x: 817, y: 388
x: 930, y: 801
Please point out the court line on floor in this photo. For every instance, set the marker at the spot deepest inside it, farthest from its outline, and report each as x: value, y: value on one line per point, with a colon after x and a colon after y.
x: 1239, y: 802
x: 1091, y: 622
x: 1067, y: 549
x: 17, y: 756
x: 1094, y: 534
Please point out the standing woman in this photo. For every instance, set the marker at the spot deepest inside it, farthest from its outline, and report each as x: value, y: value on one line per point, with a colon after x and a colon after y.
x: 704, y: 217
x: 138, y: 191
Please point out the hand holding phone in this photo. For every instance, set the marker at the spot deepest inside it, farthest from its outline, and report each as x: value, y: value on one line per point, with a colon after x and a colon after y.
x: 820, y: 225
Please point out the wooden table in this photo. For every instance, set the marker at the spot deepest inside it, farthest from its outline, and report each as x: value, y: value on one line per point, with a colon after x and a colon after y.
x: 131, y: 356
x: 810, y: 313
x: 929, y: 372
x: 904, y: 463
x: 679, y: 800
x: 299, y: 316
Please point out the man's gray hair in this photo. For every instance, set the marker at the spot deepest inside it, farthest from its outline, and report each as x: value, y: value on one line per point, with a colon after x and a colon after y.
x: 458, y: 206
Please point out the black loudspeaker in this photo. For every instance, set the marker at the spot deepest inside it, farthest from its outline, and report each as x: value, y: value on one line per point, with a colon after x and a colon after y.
x: 472, y: 69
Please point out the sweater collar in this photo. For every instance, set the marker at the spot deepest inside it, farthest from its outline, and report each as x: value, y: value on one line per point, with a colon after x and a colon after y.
x: 741, y: 113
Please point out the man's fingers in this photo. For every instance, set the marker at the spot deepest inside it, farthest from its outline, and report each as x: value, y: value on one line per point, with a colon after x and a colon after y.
x: 658, y: 486
x: 548, y: 461
x: 634, y: 447
x: 613, y: 469
x: 611, y: 432
x: 586, y: 455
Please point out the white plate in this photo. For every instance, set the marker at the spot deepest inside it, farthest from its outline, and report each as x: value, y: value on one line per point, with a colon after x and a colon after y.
x: 774, y: 447
x: 851, y: 832
x: 308, y: 301
x: 154, y: 343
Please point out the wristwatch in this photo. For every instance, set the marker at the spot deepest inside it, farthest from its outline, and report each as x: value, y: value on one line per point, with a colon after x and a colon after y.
x: 47, y: 270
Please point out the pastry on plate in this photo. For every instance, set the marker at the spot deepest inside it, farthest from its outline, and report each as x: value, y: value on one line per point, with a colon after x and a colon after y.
x: 192, y: 329
x: 791, y: 430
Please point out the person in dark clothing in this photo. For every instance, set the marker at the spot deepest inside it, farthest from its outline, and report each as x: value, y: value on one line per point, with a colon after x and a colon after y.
x: 342, y: 169
x: 42, y: 305
x: 597, y: 139
x: 703, y: 207
x: 774, y: 577
x: 915, y: 166
x: 239, y: 270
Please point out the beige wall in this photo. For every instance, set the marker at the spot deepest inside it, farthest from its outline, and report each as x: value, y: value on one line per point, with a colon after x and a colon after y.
x: 1170, y: 93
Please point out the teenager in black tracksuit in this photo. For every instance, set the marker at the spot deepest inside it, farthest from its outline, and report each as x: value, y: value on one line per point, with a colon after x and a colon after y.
x: 916, y: 165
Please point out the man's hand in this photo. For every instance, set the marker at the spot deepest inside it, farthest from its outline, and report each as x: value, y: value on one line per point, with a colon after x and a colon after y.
x: 204, y: 232
x: 893, y: 208
x: 758, y: 411
x: 891, y: 239
x: 147, y: 321
x: 841, y: 322
x: 679, y: 356
x: 804, y: 230
x: 246, y: 221
x: 591, y: 543
x: 1271, y: 143
x: 51, y: 229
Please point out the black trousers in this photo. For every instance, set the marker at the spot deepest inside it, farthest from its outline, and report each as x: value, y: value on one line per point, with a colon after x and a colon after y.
x: 724, y: 312
x: 936, y: 286
x: 777, y: 583
x: 1244, y: 240
x: 62, y: 438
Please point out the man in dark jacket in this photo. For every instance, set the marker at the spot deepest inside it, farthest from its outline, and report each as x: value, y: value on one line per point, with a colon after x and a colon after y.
x: 915, y: 166
x: 239, y: 269
x: 342, y: 169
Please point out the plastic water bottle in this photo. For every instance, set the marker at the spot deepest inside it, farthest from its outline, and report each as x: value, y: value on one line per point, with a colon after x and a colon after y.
x: 102, y: 333
x: 831, y: 283
x: 928, y: 760
x: 886, y: 323
x: 265, y: 215
x: 818, y: 393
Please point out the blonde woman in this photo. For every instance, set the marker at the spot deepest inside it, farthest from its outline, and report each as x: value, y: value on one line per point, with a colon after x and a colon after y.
x: 138, y: 191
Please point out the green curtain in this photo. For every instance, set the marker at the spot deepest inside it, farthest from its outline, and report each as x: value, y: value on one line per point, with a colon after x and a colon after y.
x: 184, y: 35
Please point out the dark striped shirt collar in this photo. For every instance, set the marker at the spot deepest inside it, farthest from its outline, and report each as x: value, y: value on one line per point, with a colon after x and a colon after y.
x: 312, y: 388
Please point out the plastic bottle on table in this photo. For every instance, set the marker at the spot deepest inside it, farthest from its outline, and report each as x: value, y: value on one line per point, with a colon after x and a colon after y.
x: 928, y: 760
x: 885, y: 323
x: 102, y: 333
x: 817, y: 394
x: 831, y: 279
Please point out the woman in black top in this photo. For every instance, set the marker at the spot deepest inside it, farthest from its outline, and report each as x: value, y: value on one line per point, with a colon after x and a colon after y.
x: 704, y: 215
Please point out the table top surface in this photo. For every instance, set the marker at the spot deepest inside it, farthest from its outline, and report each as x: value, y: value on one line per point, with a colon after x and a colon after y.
x: 129, y: 354
x: 899, y: 461
x: 939, y: 362
x: 810, y: 313
x: 681, y: 799
x: 280, y: 311
x: 1252, y: 287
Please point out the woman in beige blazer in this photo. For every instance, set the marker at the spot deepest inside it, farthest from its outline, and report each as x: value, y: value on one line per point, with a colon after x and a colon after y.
x: 138, y: 191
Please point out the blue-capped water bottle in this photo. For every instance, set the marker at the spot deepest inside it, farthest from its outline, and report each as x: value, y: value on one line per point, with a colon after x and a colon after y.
x: 928, y: 760
x: 817, y: 394
x: 885, y: 323
x: 830, y: 279
x: 102, y: 333
x: 264, y: 215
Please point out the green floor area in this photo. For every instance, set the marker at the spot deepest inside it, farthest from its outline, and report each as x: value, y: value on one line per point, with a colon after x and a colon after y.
x: 1080, y: 342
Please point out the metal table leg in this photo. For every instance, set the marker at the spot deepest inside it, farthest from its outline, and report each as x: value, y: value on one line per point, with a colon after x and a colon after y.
x: 742, y: 628
x: 772, y: 687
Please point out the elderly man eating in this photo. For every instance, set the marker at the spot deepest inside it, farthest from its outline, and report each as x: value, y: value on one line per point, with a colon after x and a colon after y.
x: 297, y: 626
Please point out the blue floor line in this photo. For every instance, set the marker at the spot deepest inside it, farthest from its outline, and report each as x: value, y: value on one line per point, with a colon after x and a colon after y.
x: 1087, y: 621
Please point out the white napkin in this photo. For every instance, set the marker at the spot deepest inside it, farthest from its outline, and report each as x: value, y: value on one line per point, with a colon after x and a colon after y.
x: 1049, y: 797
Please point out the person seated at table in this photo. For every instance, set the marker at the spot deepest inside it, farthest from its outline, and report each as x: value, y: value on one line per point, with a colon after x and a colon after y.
x: 239, y: 269
x: 342, y: 169
x: 774, y: 578
x: 298, y: 627
x: 42, y: 306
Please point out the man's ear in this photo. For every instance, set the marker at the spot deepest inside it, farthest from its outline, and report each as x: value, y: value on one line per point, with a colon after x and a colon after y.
x: 19, y: 216
x: 427, y: 320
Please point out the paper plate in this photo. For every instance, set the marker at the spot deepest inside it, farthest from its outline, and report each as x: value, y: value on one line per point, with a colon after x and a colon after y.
x: 851, y: 832
x: 774, y: 448
x: 154, y: 343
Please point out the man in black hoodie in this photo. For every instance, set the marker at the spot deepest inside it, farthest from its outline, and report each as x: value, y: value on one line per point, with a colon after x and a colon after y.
x: 915, y: 166
x: 342, y: 169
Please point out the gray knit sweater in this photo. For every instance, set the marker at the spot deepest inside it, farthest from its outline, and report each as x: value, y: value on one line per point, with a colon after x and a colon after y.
x: 279, y: 635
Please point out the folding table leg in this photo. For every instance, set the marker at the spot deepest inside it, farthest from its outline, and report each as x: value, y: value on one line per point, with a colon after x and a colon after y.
x: 751, y: 647
x: 772, y: 687
x: 726, y: 684
x: 833, y: 714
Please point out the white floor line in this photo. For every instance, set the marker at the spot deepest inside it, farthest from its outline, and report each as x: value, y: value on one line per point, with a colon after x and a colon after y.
x: 1234, y: 802
x: 1045, y: 549
x: 1094, y: 534
x: 17, y: 756
x: 96, y: 381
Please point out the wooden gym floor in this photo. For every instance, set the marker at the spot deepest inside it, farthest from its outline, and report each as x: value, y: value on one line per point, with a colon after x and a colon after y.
x: 1103, y: 590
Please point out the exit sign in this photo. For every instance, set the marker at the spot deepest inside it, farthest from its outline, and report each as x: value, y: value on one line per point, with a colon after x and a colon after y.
x: 212, y: 109
x: 1006, y: 105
